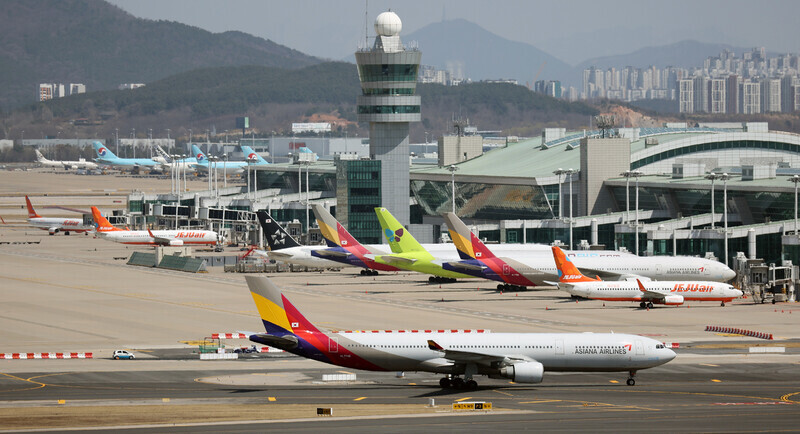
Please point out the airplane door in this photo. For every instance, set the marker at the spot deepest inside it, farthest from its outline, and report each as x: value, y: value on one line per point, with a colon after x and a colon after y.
x: 559, y: 346
x: 639, y: 348
x: 659, y: 270
x: 333, y: 345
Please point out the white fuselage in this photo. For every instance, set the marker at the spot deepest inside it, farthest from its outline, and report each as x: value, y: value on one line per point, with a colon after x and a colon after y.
x: 79, y: 164
x: 186, y: 237
x: 409, y: 350
x: 630, y: 291
x: 541, y: 268
x: 54, y: 224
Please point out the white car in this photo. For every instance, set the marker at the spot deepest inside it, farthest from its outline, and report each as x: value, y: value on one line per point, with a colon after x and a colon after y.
x: 122, y: 354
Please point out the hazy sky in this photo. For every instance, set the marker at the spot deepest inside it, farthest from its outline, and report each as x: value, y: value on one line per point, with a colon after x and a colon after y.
x: 572, y: 30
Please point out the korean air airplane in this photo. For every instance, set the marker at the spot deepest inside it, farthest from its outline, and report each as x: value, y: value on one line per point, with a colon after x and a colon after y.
x: 665, y: 292
x: 526, y: 269
x: 176, y: 237
x: 459, y: 355
x: 107, y: 158
x: 53, y: 225
x: 253, y: 159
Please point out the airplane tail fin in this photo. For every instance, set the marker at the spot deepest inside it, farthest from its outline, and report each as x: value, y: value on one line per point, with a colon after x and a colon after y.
x: 400, y: 239
x: 199, y: 155
x: 101, y: 223
x: 39, y: 157
x: 277, y: 237
x: 279, y: 316
x: 567, y: 271
x: 468, y: 245
x: 250, y: 154
x: 334, y: 233
x: 102, y: 152
x: 31, y: 212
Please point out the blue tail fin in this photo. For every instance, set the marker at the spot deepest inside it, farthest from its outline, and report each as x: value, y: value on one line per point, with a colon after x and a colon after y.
x: 250, y: 154
x: 103, y: 152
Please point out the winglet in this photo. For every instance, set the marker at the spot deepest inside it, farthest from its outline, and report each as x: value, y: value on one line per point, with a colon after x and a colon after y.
x: 31, y: 212
x: 149, y: 232
x: 434, y: 346
x: 400, y: 239
x: 641, y: 287
x: 468, y: 245
x: 567, y: 271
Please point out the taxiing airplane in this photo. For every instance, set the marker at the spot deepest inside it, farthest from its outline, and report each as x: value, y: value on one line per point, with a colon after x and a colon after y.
x: 665, y: 292
x: 66, y: 164
x: 523, y: 269
x: 519, y: 357
x: 168, y: 237
x: 53, y: 225
x: 286, y: 249
x: 107, y: 158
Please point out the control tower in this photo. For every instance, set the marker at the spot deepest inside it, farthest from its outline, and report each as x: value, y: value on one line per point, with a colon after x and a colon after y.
x: 388, y: 74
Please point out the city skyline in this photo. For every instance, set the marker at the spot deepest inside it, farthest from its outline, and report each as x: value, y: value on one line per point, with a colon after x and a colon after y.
x: 574, y: 32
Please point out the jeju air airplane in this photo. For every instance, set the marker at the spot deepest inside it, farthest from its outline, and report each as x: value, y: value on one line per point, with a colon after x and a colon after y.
x: 459, y: 355
x: 647, y: 293
x: 53, y: 225
x: 170, y: 237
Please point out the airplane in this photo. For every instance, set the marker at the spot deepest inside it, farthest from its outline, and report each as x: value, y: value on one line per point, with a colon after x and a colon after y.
x: 53, y: 225
x: 286, y: 249
x: 670, y: 293
x: 66, y: 164
x: 107, y: 158
x: 229, y: 166
x: 344, y: 248
x: 167, y: 162
x: 168, y: 237
x: 519, y: 357
x: 534, y: 268
x: 407, y: 253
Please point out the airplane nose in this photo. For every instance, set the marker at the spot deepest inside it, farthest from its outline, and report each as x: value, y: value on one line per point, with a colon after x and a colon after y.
x: 669, y: 355
x: 728, y: 274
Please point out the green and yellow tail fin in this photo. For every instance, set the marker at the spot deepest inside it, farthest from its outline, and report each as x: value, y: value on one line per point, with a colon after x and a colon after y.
x: 400, y: 239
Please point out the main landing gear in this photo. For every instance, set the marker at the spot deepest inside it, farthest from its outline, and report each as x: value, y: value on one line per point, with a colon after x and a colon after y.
x: 437, y: 279
x: 509, y: 287
x: 369, y: 272
x: 722, y: 304
x: 648, y: 305
x: 631, y: 381
x: 458, y: 383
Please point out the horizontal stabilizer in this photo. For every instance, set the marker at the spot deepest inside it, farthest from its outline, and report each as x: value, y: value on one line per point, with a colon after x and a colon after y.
x: 288, y: 342
x: 391, y: 259
x: 332, y: 253
x: 465, y: 266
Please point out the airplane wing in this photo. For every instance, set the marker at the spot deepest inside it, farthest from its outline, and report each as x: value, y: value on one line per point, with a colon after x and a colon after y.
x: 459, y: 356
x: 652, y: 295
x: 465, y: 266
x: 162, y: 241
x: 276, y: 254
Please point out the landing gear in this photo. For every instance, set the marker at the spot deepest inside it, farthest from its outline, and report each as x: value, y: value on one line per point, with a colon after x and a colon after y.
x: 369, y: 272
x: 509, y: 287
x: 631, y: 380
x: 722, y: 304
x: 642, y: 305
x: 458, y: 383
x: 437, y: 279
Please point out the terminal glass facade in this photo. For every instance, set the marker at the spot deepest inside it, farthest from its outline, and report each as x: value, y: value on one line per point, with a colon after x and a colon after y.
x: 358, y: 193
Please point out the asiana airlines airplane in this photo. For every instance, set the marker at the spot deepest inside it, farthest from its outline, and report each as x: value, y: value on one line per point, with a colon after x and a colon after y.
x: 458, y: 355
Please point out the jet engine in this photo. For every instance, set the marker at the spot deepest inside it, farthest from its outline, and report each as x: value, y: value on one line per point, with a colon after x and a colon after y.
x: 524, y: 372
x: 673, y: 300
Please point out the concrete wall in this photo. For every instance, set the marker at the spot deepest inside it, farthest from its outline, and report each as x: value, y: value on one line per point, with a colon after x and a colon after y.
x: 601, y: 159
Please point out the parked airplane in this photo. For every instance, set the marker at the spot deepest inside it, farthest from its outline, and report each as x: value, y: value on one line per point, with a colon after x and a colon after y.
x: 343, y: 247
x: 169, y: 163
x: 407, y: 253
x: 665, y: 292
x: 517, y: 270
x: 54, y: 225
x: 66, y: 164
x: 286, y: 249
x: 520, y: 357
x: 107, y: 158
x: 169, y: 237
x: 253, y: 159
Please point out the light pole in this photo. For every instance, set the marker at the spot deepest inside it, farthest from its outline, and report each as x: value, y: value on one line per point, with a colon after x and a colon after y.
x: 211, y: 159
x: 725, y: 211
x: 452, y: 168
x: 558, y: 173
x: 225, y: 170
x: 133, y: 139
x: 116, y: 138
x: 271, y: 153
x: 713, y: 177
x: 569, y: 173
x: 308, y: 169
x: 253, y: 161
x: 637, y: 213
x: 628, y: 174
x: 795, y: 179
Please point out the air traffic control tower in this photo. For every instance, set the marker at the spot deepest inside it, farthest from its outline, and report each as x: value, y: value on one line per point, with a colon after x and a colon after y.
x: 388, y: 74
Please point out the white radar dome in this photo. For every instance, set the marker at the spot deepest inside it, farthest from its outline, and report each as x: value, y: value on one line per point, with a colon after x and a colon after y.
x: 388, y: 24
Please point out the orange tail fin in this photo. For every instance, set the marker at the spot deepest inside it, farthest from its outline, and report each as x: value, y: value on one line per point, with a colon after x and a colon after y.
x: 101, y: 222
x: 567, y: 271
x: 31, y: 212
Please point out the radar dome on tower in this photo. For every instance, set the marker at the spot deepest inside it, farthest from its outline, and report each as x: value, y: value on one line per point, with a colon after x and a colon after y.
x: 388, y: 24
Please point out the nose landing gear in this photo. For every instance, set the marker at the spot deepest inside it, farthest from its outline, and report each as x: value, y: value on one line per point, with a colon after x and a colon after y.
x: 631, y: 381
